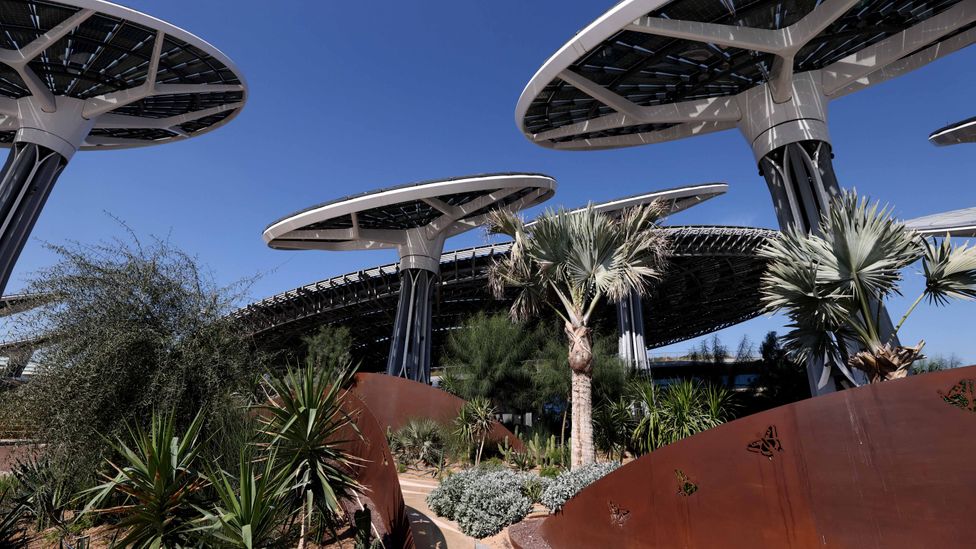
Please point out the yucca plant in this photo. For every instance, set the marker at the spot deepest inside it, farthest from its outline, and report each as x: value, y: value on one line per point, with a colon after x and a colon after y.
x: 13, y: 533
x: 157, y: 486
x: 251, y: 505
x: 474, y: 422
x: 830, y: 286
x: 308, y: 430
x: 46, y: 496
x: 613, y: 425
x: 570, y: 262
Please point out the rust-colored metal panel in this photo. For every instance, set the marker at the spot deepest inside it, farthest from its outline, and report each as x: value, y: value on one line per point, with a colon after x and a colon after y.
x: 378, y: 474
x: 395, y: 400
x: 890, y: 465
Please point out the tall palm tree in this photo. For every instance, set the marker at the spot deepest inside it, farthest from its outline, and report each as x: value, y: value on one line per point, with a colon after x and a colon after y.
x: 570, y: 262
x: 827, y: 284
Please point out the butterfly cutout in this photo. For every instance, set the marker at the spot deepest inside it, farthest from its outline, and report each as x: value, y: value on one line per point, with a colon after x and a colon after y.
x: 685, y: 486
x: 768, y: 444
x: 962, y: 395
x: 618, y: 516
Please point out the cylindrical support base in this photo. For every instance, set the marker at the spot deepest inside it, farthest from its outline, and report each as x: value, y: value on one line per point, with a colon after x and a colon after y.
x: 25, y: 183
x: 410, y: 344
x: 802, y: 183
x: 630, y: 321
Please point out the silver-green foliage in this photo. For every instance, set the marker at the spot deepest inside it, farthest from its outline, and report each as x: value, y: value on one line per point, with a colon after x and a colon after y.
x: 483, y: 502
x: 570, y: 483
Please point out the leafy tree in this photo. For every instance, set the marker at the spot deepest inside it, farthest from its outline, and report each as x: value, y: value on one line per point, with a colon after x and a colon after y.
x: 829, y: 286
x: 135, y: 328
x: 570, y: 262
x: 488, y: 358
x: 781, y: 380
x: 330, y: 347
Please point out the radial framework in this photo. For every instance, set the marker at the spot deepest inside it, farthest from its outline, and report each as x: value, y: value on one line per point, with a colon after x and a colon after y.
x: 88, y: 74
x: 414, y: 219
x: 650, y: 71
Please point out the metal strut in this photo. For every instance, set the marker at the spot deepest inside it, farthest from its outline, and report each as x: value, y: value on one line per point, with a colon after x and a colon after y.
x: 631, y: 346
x: 25, y: 183
x: 410, y: 344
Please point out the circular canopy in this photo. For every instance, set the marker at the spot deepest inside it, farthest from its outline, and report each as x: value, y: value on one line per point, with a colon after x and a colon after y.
x: 385, y: 218
x: 712, y: 283
x: 955, y: 223
x: 649, y: 70
x: 671, y: 201
x: 142, y: 80
x: 953, y: 134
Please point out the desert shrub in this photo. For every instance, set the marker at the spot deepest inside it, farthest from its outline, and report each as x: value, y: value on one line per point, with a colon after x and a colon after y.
x: 569, y: 483
x: 549, y: 471
x: 419, y: 441
x: 444, y: 499
x: 534, y: 486
x: 492, y: 501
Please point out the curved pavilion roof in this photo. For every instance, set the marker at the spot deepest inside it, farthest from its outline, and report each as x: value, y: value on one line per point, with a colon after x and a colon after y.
x: 381, y: 219
x: 649, y: 71
x: 142, y: 80
x: 953, y: 134
x: 955, y: 223
x: 712, y: 283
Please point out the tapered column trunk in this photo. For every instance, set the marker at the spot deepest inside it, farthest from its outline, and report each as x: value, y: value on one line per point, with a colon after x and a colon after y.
x: 581, y: 364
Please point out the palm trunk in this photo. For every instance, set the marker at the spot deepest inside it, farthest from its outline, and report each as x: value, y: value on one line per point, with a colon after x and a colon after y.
x: 581, y: 363
x: 481, y: 448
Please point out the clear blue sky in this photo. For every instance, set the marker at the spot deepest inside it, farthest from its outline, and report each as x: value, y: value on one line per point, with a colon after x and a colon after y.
x: 351, y: 96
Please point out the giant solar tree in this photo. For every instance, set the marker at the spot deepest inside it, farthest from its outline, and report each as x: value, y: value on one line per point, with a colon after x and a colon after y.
x: 415, y: 220
x: 650, y: 71
x: 91, y: 75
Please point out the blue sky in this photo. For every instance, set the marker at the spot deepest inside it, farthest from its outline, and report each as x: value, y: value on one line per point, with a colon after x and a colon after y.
x: 350, y: 96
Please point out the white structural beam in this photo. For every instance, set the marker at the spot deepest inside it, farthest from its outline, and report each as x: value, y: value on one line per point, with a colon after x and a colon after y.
x: 858, y: 65
x: 672, y: 133
x: 615, y: 101
x: 170, y: 123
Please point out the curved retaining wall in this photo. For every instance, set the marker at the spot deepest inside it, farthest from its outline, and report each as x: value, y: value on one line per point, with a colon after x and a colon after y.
x: 394, y: 401
x: 888, y: 465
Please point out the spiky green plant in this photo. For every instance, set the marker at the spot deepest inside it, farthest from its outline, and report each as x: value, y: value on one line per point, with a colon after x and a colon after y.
x: 308, y: 429
x: 613, y: 425
x: 45, y: 495
x: 830, y: 286
x: 474, y: 422
x: 156, y: 487
x: 250, y: 505
x: 679, y: 410
x: 13, y: 533
x: 570, y: 262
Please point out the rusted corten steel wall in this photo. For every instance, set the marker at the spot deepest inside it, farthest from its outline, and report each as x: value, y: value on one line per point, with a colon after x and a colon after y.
x: 395, y: 400
x: 889, y: 465
x: 378, y: 475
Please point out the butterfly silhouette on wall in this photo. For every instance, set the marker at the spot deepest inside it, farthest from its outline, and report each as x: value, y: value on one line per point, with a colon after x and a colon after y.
x: 768, y: 444
x: 962, y: 395
x: 618, y: 516
x: 685, y: 486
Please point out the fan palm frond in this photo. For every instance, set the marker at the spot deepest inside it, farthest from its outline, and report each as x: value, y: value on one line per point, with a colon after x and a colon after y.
x: 950, y: 272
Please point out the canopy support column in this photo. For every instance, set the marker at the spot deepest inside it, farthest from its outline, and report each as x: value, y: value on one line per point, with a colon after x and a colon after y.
x: 25, y: 183
x: 631, y: 346
x: 410, y: 345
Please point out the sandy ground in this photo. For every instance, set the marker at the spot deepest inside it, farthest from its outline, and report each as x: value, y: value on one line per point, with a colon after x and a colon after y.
x: 433, y: 532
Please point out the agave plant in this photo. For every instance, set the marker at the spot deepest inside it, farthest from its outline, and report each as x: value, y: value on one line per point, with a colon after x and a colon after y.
x: 308, y: 430
x: 251, y: 505
x: 157, y: 487
x: 830, y: 286
x: 570, y: 262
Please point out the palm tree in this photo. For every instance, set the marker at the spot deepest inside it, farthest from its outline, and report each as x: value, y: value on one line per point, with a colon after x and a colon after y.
x: 308, y: 431
x: 828, y: 284
x: 570, y: 262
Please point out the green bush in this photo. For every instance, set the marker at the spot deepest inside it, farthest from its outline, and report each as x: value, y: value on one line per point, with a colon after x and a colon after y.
x: 569, y: 483
x: 549, y: 471
x: 419, y: 441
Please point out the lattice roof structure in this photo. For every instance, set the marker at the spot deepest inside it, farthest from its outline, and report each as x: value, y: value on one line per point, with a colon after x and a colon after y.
x: 649, y: 71
x: 961, y: 132
x: 954, y: 223
x: 141, y: 80
x: 713, y: 283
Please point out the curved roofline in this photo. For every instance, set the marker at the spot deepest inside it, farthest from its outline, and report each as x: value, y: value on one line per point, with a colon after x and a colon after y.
x: 674, y: 193
x: 403, y: 193
x: 943, y: 136
x: 582, y: 42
